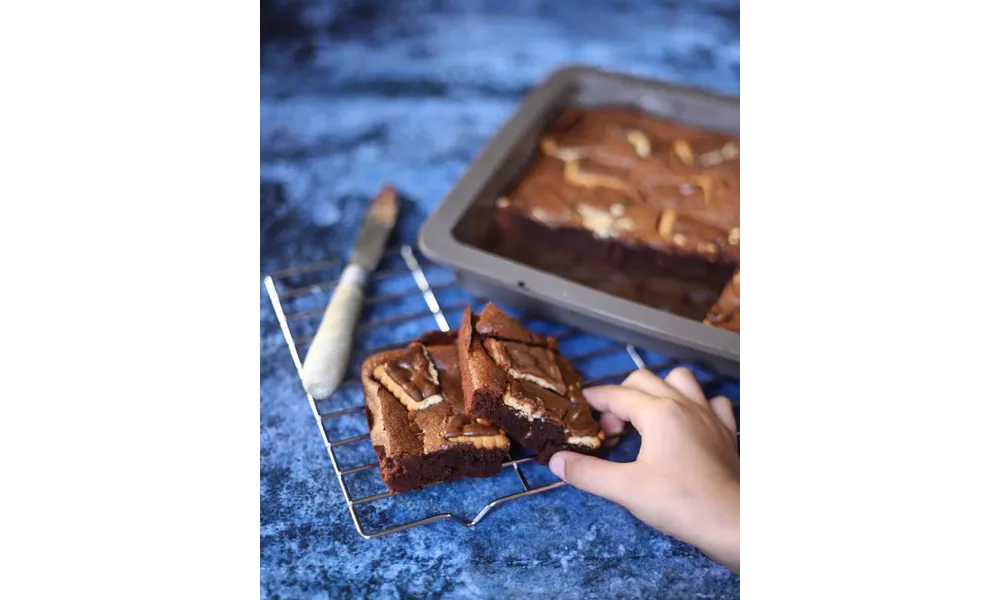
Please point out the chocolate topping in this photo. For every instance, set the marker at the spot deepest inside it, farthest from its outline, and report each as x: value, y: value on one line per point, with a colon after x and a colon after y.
x: 574, y: 391
x: 527, y: 362
x: 553, y: 403
x: 462, y: 426
x: 493, y: 322
x: 576, y: 415
x: 437, y: 338
x: 415, y: 373
x: 579, y: 421
x: 602, y: 157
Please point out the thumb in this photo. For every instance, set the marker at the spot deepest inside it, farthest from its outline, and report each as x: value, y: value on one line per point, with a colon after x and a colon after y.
x: 604, y: 478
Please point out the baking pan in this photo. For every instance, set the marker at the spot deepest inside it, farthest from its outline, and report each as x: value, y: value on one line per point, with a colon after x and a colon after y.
x: 454, y: 235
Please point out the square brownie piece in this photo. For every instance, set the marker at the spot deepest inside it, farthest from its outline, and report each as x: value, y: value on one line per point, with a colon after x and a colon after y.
x: 726, y: 312
x: 518, y: 381
x: 419, y: 428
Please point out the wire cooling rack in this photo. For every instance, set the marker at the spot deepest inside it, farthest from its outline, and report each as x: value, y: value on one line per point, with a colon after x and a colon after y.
x: 391, y: 319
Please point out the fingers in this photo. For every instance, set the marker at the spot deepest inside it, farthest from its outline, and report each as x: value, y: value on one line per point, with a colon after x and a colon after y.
x: 628, y: 404
x: 679, y: 380
x: 647, y: 381
x: 614, y: 481
x: 723, y: 409
x: 684, y: 381
x: 612, y: 426
x: 640, y: 391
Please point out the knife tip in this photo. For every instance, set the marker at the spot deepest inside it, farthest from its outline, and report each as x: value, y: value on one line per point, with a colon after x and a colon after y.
x: 386, y: 204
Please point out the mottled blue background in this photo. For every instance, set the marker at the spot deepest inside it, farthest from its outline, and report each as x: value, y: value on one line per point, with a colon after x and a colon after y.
x: 357, y: 93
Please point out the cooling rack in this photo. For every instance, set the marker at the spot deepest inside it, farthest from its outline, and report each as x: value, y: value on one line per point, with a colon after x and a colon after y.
x: 390, y: 320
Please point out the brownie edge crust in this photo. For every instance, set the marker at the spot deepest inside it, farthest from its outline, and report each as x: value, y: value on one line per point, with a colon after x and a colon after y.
x: 419, y: 429
x: 518, y: 381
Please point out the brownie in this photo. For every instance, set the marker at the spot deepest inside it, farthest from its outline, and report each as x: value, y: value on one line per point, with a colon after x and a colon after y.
x: 419, y: 428
x: 518, y: 381
x: 632, y: 192
x: 726, y: 312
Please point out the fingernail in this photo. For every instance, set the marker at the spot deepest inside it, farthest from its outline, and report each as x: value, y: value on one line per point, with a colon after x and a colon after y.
x: 557, y: 464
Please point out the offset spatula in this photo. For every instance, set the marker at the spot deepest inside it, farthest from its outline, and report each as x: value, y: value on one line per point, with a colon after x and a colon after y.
x: 330, y: 351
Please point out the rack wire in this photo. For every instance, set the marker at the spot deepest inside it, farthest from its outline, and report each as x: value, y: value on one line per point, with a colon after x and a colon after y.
x: 287, y: 287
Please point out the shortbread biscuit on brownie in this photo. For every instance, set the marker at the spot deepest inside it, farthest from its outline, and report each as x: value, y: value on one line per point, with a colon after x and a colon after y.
x: 518, y: 381
x: 419, y: 429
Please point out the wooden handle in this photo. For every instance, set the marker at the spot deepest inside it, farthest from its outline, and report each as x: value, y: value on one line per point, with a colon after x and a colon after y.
x: 330, y: 350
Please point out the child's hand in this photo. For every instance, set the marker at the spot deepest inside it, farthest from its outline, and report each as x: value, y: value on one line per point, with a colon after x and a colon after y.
x: 686, y: 480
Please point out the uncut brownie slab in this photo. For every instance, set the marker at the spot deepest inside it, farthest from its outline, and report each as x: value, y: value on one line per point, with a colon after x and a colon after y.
x: 518, y: 381
x: 633, y: 193
x: 419, y: 429
x: 726, y: 312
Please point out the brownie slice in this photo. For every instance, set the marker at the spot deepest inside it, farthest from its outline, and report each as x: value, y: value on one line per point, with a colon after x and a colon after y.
x: 631, y: 192
x: 419, y: 427
x: 726, y: 312
x: 518, y: 381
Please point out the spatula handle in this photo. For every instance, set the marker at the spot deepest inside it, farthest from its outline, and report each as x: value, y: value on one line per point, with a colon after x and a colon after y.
x: 330, y: 351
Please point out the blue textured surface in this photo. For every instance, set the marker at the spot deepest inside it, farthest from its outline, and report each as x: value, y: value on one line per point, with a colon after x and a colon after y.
x: 356, y: 93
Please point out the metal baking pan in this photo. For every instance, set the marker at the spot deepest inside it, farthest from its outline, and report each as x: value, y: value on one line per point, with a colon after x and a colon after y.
x: 453, y: 235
